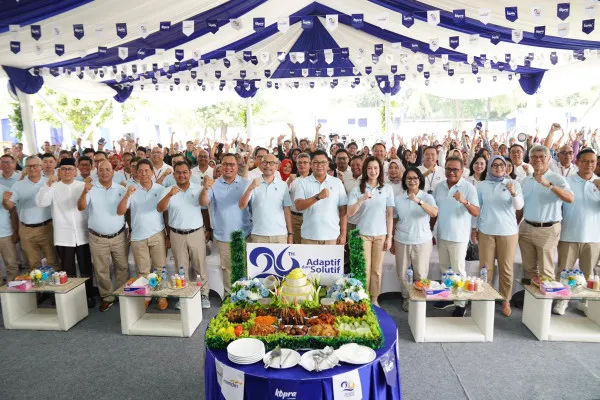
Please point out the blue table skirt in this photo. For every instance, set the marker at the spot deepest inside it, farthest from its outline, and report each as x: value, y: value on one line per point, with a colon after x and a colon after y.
x: 261, y: 383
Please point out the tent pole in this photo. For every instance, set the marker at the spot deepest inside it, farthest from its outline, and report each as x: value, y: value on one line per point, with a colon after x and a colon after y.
x: 249, y: 117
x: 388, y: 112
x: 29, y: 143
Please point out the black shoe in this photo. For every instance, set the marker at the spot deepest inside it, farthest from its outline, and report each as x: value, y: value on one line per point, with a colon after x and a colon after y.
x: 442, y: 305
x: 458, y: 312
x: 91, y: 302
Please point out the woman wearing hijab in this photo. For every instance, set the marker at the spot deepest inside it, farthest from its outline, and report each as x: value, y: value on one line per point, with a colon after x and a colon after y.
x: 285, y: 170
x: 499, y: 197
x: 394, y: 176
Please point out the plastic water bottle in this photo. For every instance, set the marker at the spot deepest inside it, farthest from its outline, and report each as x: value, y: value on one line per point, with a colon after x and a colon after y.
x: 409, y: 276
x: 449, y: 276
x: 571, y: 273
x: 563, y: 276
x: 484, y: 274
x: 181, y: 271
x: 164, y: 278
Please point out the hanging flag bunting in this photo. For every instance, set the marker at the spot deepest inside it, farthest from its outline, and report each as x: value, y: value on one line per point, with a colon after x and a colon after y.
x: 38, y: 49
x: 357, y: 81
x: 187, y: 27
x: 226, y: 63
x: 355, y: 71
x: 368, y: 70
x: 553, y: 58
x: 57, y: 30
x: 563, y: 29
x: 59, y: 49
x: 402, y: 77
x: 536, y: 12
x: 474, y: 39
x: 381, y: 20
x: 485, y: 15
x: 264, y: 57
x: 329, y: 71
x: 247, y: 55
x: 212, y: 25
x: 176, y: 65
x: 179, y: 54
x: 414, y: 47
x: 431, y: 59
x: 478, y: 79
x: 281, y: 56
x: 495, y: 38
x: 510, y: 77
x: 193, y: 74
x: 254, y: 60
x: 361, y: 53
x: 15, y: 47
x: 267, y: 73
x: 389, y: 59
x: 189, y: 65
x: 144, y: 31
x: 358, y: 21
x: 258, y: 24
x: 331, y: 22
x: 419, y: 68
x: 123, y: 52
x: 563, y: 10
x: 458, y: 16
x: 434, y: 44
x: 176, y: 81
x: 291, y: 72
x: 122, y: 30
x: 165, y: 26
x: 374, y: 58
x: 305, y: 72
x: 539, y: 32
x: 236, y: 23
x: 218, y: 74
x: 394, y: 69
x: 587, y: 26
x: 408, y: 20
x: 511, y: 13
x: 433, y: 17
x: 141, y: 53
x: 318, y: 72
x: 283, y: 24
x: 78, y: 31
x: 345, y: 53
x: 307, y: 22
x: 444, y: 58
x: 589, y: 8
x: 426, y: 74
x: 199, y: 82
x: 462, y: 80
x: 102, y: 50
x: 507, y: 58
x: 300, y: 57
x: 379, y: 49
x: 36, y: 32
x: 293, y: 57
x: 243, y: 74
x: 450, y: 72
x: 155, y: 67
x: 517, y: 35
x: 454, y: 42
x: 328, y: 55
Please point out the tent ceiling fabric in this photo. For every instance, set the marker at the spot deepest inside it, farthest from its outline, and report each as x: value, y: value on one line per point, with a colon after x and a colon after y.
x: 396, y: 38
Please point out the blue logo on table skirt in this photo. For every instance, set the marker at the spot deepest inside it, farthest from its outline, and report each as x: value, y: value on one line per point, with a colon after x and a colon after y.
x: 271, y: 261
x: 280, y: 394
x: 348, y: 386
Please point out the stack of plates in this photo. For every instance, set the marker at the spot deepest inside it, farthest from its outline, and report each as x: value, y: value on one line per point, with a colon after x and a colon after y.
x: 353, y: 353
x: 245, y: 351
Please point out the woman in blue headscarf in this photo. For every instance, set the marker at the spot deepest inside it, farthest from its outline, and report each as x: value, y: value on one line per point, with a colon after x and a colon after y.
x: 499, y: 197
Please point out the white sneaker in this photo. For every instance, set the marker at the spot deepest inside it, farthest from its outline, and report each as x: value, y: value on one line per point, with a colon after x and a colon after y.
x: 560, y: 307
x: 582, y: 305
x: 205, y: 302
x: 405, y: 305
x: 178, y: 305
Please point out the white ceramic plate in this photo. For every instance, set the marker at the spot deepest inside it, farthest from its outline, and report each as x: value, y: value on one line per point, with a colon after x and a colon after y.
x: 245, y: 362
x: 291, y: 357
x: 353, y: 353
x: 246, y: 348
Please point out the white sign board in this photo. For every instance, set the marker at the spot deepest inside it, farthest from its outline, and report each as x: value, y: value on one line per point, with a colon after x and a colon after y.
x: 264, y: 259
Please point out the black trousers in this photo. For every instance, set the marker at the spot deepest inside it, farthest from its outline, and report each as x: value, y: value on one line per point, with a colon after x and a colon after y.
x: 67, y: 256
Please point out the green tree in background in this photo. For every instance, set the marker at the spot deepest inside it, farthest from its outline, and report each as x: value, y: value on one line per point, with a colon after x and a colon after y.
x: 219, y: 116
x: 16, y: 121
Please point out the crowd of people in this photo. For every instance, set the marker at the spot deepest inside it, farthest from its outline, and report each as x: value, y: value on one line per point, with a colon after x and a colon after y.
x: 455, y: 192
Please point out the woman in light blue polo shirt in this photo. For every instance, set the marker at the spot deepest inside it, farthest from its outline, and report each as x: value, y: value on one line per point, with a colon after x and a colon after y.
x: 499, y: 198
x: 373, y: 204
x: 412, y: 237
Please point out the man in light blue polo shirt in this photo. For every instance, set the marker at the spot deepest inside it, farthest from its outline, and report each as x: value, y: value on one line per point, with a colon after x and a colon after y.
x: 8, y: 248
x: 186, y: 226
x: 107, y: 236
x: 544, y: 193
x: 579, y: 237
x: 324, y: 202
x: 270, y: 202
x: 35, y: 228
x: 147, y: 224
x: 9, y: 176
x: 223, y: 196
x: 457, y: 203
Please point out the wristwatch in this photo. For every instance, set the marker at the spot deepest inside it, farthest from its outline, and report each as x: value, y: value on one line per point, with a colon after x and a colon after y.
x: 420, y: 202
x: 551, y: 186
x: 317, y: 197
x: 468, y: 203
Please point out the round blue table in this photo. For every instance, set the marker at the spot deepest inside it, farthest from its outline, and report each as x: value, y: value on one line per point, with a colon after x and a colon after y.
x: 380, y: 379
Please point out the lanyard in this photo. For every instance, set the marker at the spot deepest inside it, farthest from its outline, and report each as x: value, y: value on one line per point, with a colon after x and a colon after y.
x: 562, y: 171
x: 430, y: 182
x: 157, y: 175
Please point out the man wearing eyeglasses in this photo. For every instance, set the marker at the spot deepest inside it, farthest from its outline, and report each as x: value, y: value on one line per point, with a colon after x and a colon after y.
x: 457, y: 203
x: 70, y: 224
x: 161, y: 169
x: 579, y: 238
x: 203, y: 169
x: 223, y: 196
x: 35, y: 228
x: 9, y: 176
x: 270, y: 204
x: 324, y: 202
x: 564, y: 166
x: 303, y: 165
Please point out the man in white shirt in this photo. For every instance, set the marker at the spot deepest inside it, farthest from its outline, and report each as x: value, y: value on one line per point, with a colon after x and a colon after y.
x: 564, y: 166
x: 356, y: 169
x: 203, y: 169
x: 522, y: 170
x: 70, y: 224
x: 342, y: 162
x: 160, y: 167
x: 433, y: 173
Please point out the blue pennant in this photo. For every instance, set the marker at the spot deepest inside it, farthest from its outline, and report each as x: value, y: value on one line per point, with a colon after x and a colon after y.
x: 414, y: 47
x: 539, y: 32
x: 217, y: 74
x: 368, y: 70
x: 587, y: 25
x: 454, y: 42
x: 358, y: 21
x: 267, y: 73
x: 179, y: 54
x: 419, y: 68
x: 226, y: 63
x: 394, y: 69
x: 563, y: 10
x: 78, y: 31
x: 141, y: 53
x: 379, y: 49
x: 122, y: 30
x: 511, y: 13
x: 408, y: 20
x: 259, y: 24
x: 36, y: 32
x: 165, y: 26
x: 15, y: 47
x: 59, y: 49
x: 458, y: 16
x: 193, y: 74
x: 247, y: 56
x: 431, y: 59
x: 212, y: 25
x: 554, y: 58
x: 307, y: 22
x: 495, y: 38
